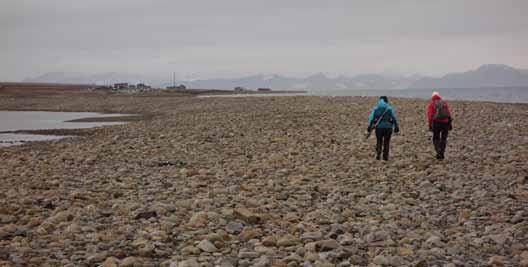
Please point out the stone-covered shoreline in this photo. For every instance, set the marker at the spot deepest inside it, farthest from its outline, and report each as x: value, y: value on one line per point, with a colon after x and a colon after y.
x: 271, y: 181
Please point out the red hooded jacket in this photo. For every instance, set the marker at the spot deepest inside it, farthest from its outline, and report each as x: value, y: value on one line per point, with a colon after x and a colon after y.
x: 431, y: 110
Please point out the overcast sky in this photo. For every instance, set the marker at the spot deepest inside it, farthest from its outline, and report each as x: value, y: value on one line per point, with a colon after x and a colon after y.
x: 228, y: 38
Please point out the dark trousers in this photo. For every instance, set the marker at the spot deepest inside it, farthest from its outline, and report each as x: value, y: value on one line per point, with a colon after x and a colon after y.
x: 440, y: 132
x: 383, y: 136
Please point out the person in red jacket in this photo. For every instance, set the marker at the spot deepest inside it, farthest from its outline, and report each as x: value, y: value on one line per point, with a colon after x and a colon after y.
x: 439, y: 116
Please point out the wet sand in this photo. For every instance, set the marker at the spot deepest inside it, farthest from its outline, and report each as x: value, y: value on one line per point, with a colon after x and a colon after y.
x: 265, y: 181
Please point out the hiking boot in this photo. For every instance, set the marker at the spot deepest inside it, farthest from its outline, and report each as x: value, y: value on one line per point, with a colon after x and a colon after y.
x: 438, y: 156
x: 377, y: 157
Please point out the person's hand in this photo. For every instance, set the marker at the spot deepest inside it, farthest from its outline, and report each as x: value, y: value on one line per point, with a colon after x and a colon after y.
x: 430, y: 127
x: 397, y: 129
x: 369, y: 129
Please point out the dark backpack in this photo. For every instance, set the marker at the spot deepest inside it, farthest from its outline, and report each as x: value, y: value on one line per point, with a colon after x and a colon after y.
x: 441, y: 111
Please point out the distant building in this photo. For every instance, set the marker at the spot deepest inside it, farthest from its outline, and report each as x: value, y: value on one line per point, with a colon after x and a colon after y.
x: 142, y: 86
x: 120, y: 85
x: 240, y: 89
x: 179, y: 87
x: 103, y: 87
x: 264, y: 90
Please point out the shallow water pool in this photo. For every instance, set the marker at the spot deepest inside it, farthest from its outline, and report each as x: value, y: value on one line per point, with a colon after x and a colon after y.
x: 11, y: 121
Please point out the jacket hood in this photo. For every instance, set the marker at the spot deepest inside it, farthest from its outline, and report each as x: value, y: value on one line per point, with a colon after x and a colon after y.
x: 382, y: 104
x: 436, y: 97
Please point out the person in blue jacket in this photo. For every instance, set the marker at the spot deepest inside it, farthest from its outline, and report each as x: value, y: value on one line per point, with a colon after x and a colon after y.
x: 387, y: 121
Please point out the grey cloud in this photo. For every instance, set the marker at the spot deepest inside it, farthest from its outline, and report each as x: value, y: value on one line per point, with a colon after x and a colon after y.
x: 214, y: 38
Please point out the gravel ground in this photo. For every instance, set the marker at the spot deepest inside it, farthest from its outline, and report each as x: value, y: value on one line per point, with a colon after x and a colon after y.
x: 271, y: 181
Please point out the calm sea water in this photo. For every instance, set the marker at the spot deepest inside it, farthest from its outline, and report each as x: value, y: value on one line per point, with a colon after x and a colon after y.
x: 11, y: 121
x: 502, y: 95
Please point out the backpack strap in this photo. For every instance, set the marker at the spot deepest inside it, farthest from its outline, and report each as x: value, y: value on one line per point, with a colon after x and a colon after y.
x: 381, y: 117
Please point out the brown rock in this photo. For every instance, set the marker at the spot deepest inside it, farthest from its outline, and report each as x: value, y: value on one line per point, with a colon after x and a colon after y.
x: 250, y: 233
x: 326, y: 245
x: 7, y: 230
x: 190, y: 250
x: 405, y: 251
x: 496, y: 261
x: 97, y: 257
x: 247, y: 215
x: 279, y: 263
x: 131, y: 262
x: 287, y: 240
x: 189, y: 263
x: 269, y: 241
x: 110, y: 262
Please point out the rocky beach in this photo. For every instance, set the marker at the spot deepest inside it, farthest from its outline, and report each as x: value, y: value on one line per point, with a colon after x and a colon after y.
x: 265, y: 181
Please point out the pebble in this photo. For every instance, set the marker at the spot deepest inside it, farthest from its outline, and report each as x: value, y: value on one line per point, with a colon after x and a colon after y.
x: 434, y: 241
x: 207, y: 246
x: 131, y: 262
x: 381, y: 260
x: 269, y: 241
x: 312, y: 236
x: 247, y: 215
x: 248, y: 254
x: 326, y: 245
x: 98, y: 257
x: 287, y: 240
x: 496, y: 261
x: 249, y: 233
x: 189, y: 263
x: 263, y: 261
x: 111, y: 262
x: 234, y: 227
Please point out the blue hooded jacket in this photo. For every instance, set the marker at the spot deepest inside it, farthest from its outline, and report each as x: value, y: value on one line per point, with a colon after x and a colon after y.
x: 389, y: 119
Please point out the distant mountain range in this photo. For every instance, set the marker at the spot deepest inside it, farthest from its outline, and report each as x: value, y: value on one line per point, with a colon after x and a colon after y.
x: 491, y: 75
x: 313, y: 82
